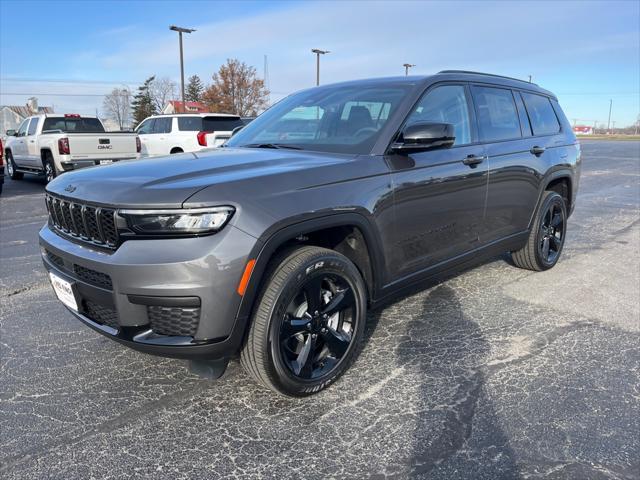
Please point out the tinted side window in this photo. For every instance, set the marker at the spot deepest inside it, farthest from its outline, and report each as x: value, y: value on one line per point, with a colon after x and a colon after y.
x: 445, y: 104
x: 497, y: 114
x: 543, y: 118
x: 162, y: 125
x: 33, y: 126
x: 146, y: 126
x: 189, y: 124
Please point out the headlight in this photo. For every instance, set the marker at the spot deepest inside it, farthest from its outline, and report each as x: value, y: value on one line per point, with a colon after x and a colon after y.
x: 178, y: 221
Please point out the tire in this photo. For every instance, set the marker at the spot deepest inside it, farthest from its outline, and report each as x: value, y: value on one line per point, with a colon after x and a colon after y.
x: 11, y: 168
x: 49, y: 168
x: 546, y: 239
x: 285, y: 325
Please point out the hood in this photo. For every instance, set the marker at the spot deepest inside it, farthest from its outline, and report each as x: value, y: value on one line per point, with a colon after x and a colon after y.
x: 167, y: 182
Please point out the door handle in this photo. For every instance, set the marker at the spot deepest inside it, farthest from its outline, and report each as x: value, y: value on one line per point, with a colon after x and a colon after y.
x: 32, y: 141
x: 473, y: 160
x: 537, y: 151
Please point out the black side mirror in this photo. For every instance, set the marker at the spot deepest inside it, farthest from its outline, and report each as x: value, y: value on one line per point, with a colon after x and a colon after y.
x: 425, y: 136
x: 11, y: 133
x: 236, y: 130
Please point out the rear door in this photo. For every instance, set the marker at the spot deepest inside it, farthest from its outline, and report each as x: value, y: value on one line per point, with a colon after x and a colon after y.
x: 159, y: 136
x: 219, y: 129
x: 513, y: 179
x: 32, y: 156
x: 439, y: 195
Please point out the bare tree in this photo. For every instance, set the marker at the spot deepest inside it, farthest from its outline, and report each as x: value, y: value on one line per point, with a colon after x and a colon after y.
x: 236, y: 89
x: 117, y: 106
x: 162, y: 90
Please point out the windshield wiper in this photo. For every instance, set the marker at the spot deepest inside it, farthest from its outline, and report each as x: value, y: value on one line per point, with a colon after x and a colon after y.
x: 272, y: 145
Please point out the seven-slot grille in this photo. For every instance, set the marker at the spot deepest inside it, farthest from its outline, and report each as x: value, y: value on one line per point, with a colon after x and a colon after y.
x: 92, y: 224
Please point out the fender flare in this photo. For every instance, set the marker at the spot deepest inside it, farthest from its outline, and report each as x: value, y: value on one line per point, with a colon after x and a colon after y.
x: 544, y: 183
x: 268, y: 244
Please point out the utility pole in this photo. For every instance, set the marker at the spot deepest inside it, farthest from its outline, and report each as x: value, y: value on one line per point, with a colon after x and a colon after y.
x: 180, y: 31
x: 318, y: 52
x: 609, y: 121
x: 407, y: 66
x: 529, y: 78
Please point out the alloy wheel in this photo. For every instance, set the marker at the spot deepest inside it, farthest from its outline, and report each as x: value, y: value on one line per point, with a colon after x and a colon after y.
x: 552, y: 229
x: 318, y: 327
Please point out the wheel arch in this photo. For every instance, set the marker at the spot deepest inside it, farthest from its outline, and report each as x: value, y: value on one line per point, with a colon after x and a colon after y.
x: 175, y: 150
x: 349, y: 233
x: 560, y: 181
x: 44, y: 152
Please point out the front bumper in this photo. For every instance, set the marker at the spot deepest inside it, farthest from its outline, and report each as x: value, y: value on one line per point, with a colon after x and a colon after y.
x: 168, y: 297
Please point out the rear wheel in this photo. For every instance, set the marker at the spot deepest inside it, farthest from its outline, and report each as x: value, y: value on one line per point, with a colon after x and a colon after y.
x: 11, y: 168
x: 308, y: 324
x: 547, y: 235
x: 49, y: 168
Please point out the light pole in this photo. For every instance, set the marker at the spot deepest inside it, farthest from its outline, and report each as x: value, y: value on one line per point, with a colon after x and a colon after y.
x: 407, y: 66
x: 318, y: 52
x: 180, y: 31
x: 609, y: 121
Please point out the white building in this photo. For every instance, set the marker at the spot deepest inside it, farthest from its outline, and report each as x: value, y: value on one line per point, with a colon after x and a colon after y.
x: 12, y: 115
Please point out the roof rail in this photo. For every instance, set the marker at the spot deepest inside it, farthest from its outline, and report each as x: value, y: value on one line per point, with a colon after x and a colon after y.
x: 487, y: 74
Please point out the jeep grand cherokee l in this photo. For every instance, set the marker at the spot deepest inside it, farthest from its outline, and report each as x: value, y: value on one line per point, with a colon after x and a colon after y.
x: 337, y: 197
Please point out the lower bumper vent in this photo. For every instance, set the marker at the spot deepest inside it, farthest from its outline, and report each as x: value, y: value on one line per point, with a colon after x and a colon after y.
x: 177, y: 321
x: 101, y: 314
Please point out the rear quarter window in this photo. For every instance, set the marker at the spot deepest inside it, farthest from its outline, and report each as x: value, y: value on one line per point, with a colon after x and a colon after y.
x: 543, y: 118
x: 190, y: 124
x: 497, y: 114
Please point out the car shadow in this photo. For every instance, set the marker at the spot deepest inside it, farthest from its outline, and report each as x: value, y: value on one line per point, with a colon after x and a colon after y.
x: 446, y: 350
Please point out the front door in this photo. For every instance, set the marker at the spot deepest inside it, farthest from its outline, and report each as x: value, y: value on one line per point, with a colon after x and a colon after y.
x: 439, y: 195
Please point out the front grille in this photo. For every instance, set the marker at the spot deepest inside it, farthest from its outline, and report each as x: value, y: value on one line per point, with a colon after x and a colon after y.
x: 177, y: 321
x: 101, y: 314
x: 91, y: 224
x: 98, y: 279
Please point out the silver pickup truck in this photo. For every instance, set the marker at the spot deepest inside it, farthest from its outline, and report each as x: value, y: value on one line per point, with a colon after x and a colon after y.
x: 52, y: 144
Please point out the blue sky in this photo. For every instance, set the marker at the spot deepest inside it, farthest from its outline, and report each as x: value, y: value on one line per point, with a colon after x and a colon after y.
x: 586, y: 52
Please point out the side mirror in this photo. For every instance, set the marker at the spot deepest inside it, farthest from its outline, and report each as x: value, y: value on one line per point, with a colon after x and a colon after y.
x: 11, y: 133
x: 425, y: 136
x: 236, y: 130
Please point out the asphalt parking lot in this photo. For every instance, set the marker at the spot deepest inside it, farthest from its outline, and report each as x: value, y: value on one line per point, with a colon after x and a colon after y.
x: 495, y: 373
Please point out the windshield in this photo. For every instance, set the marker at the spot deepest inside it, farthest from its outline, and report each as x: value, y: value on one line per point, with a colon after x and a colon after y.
x: 341, y: 119
x: 73, y: 125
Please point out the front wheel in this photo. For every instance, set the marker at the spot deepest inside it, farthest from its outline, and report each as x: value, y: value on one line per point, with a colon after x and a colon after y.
x: 308, y: 324
x: 547, y: 235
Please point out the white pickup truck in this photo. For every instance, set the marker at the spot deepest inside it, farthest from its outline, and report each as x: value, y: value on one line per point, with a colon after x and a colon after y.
x: 52, y: 144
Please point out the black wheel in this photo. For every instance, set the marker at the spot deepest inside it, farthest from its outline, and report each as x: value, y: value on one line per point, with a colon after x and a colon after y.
x: 546, y: 238
x: 49, y: 168
x: 308, y: 324
x: 11, y: 168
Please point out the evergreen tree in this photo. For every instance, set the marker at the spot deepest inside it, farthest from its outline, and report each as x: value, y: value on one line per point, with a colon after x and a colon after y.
x: 194, y: 90
x: 142, y: 104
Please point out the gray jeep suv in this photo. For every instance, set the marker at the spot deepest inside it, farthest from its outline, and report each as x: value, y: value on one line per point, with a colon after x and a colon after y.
x: 330, y: 202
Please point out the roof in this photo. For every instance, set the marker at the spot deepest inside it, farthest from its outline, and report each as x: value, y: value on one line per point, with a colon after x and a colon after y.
x: 195, y: 107
x: 446, y: 75
x: 25, y: 111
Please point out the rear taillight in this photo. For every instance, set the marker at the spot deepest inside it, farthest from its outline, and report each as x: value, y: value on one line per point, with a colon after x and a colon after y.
x: 138, y: 145
x: 202, y: 138
x: 63, y: 146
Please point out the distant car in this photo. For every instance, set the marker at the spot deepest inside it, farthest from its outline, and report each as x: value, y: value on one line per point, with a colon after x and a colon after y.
x: 190, y: 132
x: 52, y: 144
